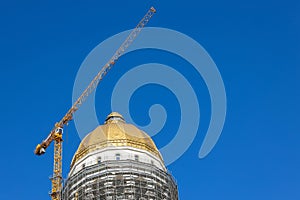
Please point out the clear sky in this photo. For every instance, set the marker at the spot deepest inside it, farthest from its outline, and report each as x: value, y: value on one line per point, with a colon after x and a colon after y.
x: 255, y: 45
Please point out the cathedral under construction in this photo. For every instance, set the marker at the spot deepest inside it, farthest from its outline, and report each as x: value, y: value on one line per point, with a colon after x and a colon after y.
x: 118, y: 161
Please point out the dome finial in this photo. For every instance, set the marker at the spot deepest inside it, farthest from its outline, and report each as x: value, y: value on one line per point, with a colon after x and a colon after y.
x: 114, y: 117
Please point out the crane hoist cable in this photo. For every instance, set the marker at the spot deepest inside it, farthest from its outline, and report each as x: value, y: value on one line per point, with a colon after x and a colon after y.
x: 57, y: 131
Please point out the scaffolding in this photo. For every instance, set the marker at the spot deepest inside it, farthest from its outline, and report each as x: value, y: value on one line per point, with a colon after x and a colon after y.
x: 120, y: 180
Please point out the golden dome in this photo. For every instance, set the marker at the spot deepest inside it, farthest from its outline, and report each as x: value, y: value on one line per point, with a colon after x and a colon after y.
x: 115, y: 132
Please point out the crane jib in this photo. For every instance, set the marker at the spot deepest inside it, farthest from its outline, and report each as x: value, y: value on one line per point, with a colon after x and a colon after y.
x: 57, y: 131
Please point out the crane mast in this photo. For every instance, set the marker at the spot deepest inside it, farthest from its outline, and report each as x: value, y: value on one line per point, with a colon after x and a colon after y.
x: 57, y: 131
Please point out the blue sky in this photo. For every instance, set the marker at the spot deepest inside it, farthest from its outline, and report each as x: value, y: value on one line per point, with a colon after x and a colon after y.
x: 255, y: 45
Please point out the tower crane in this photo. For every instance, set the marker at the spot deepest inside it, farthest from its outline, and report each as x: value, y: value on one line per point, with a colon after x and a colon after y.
x: 56, y: 133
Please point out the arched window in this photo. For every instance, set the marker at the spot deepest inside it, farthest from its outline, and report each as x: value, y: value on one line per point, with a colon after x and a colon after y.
x: 99, y: 160
x: 136, y: 157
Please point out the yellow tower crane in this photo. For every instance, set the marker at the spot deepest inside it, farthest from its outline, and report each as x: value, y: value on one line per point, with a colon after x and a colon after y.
x: 57, y: 131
